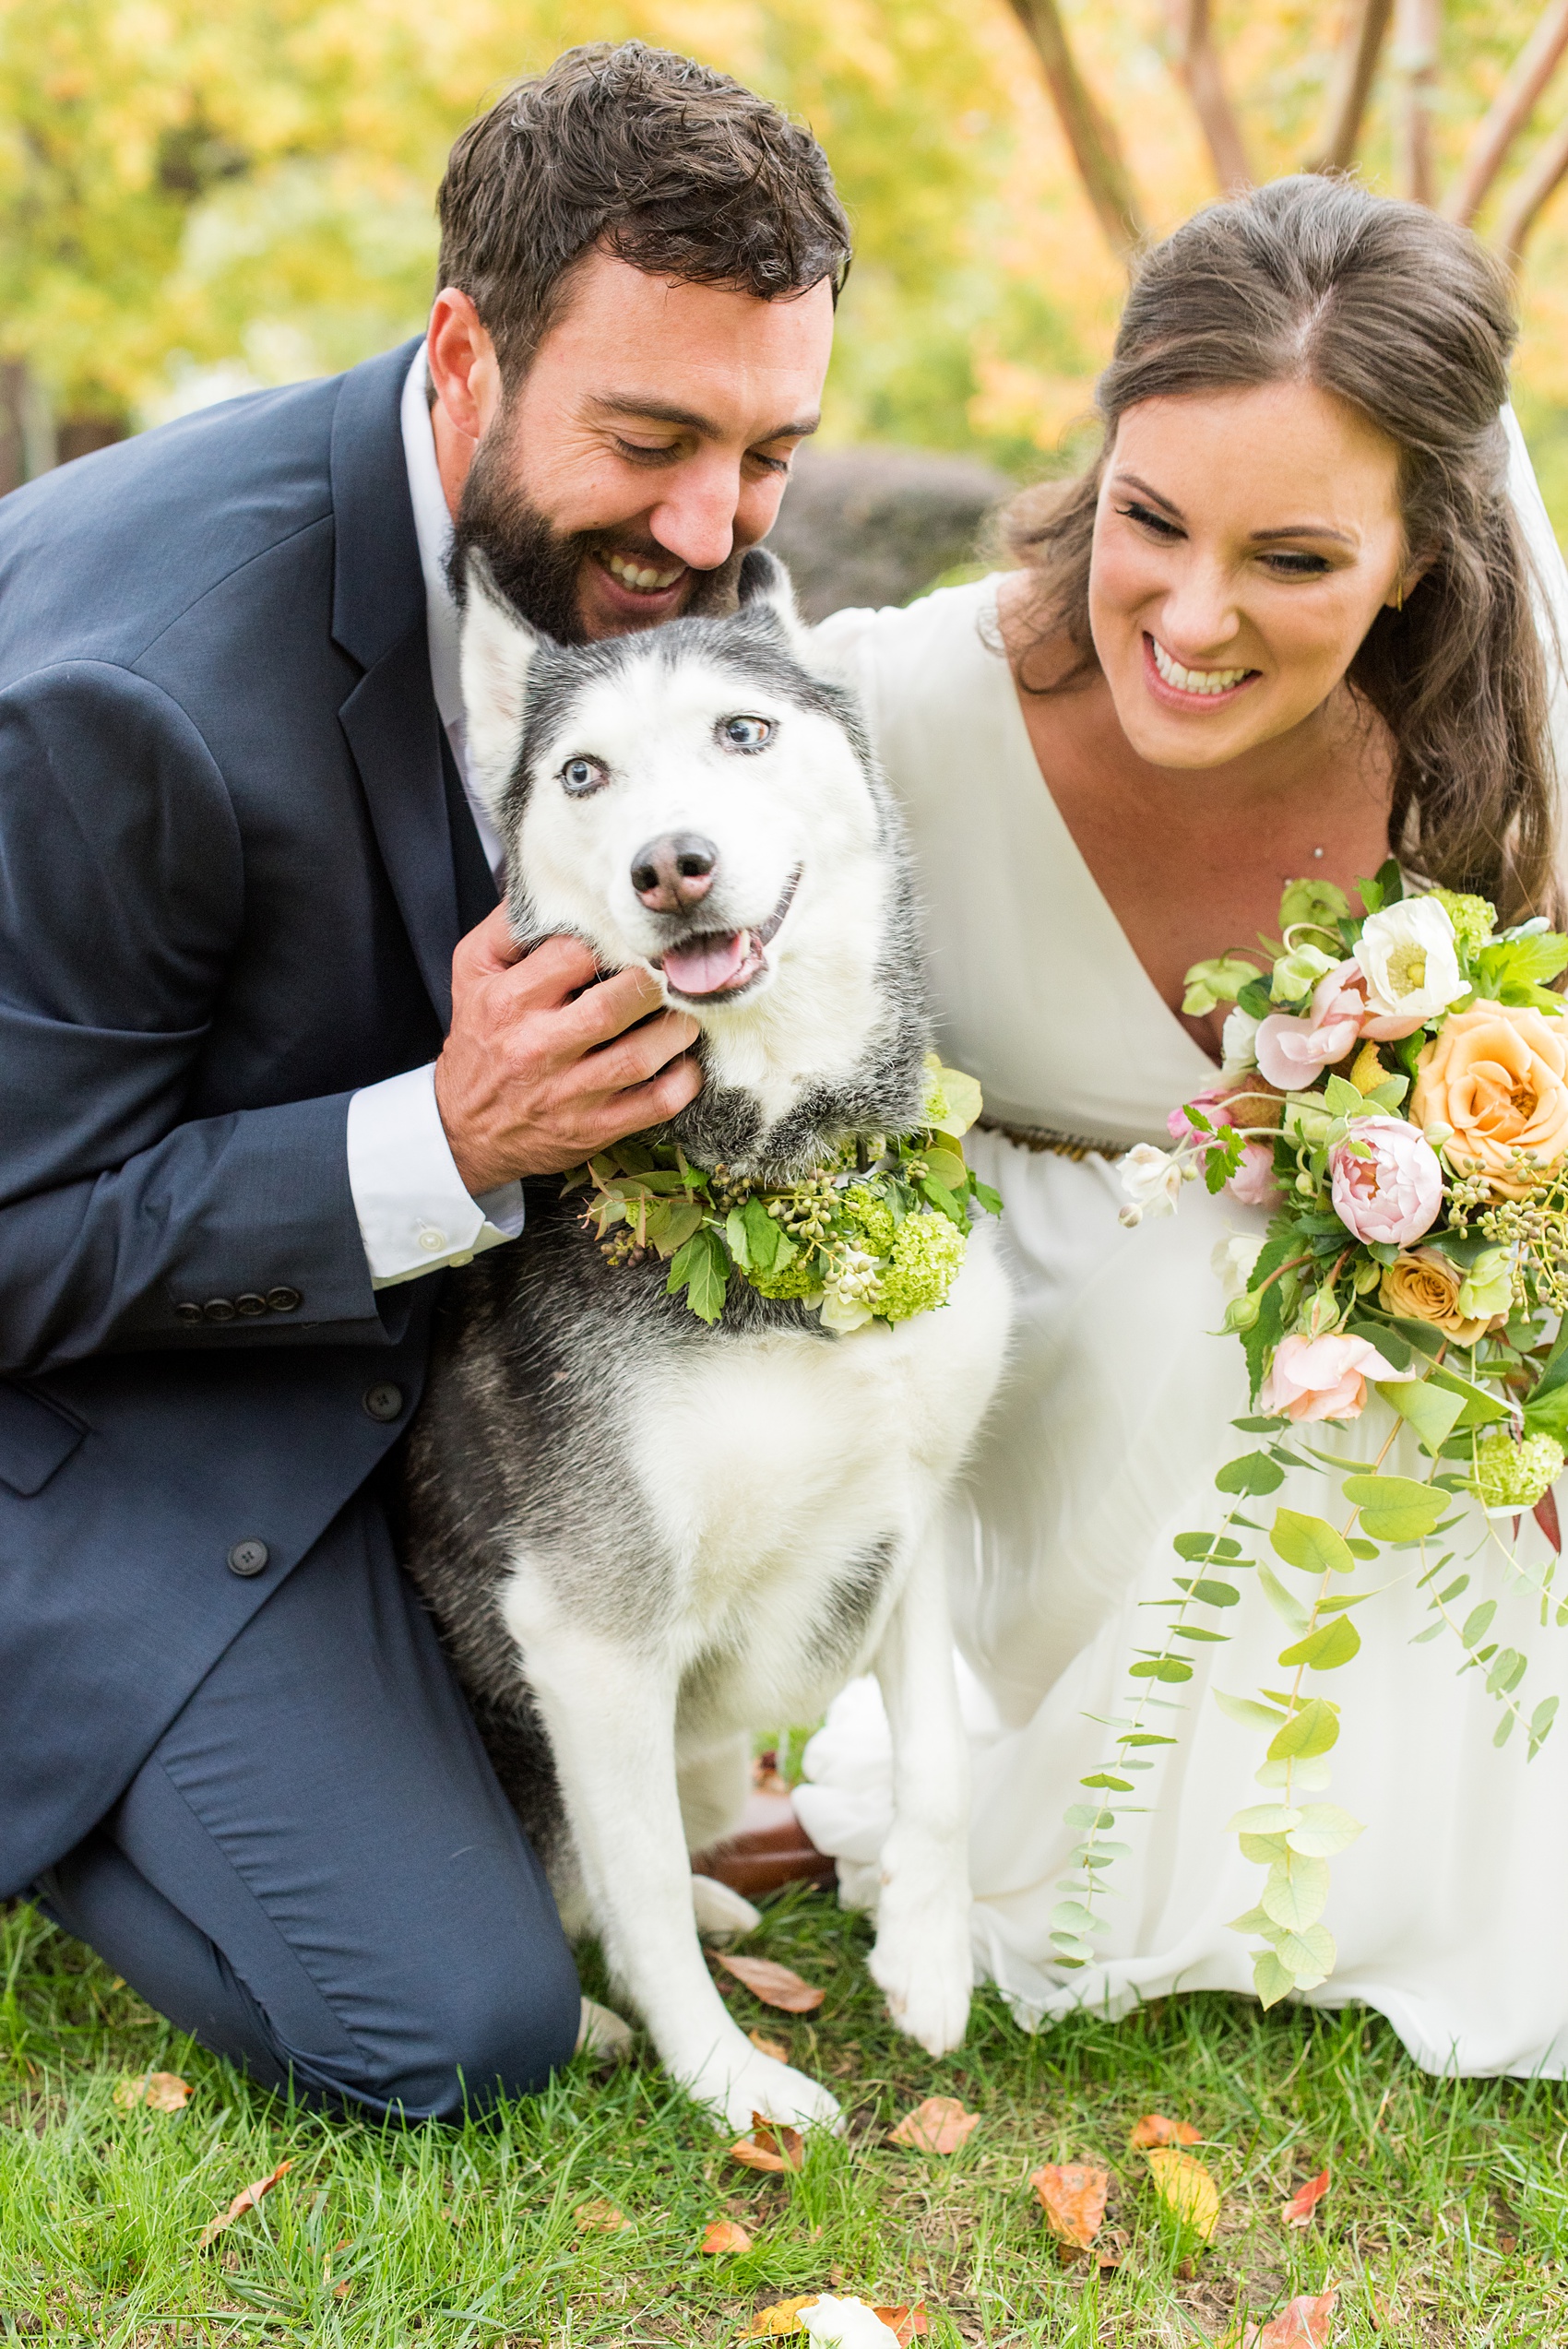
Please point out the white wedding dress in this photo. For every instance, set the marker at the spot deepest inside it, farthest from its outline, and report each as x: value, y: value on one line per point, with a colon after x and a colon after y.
x: 1450, y: 1912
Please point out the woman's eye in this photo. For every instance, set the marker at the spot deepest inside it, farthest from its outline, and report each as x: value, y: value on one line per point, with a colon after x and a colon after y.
x: 746, y: 733
x: 1286, y: 566
x: 583, y: 775
x: 1148, y: 519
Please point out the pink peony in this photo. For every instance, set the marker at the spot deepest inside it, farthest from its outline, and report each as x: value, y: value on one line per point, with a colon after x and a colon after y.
x: 1253, y: 1184
x: 1323, y: 1378
x: 1212, y: 1102
x: 1292, y: 1050
x: 1396, y: 1193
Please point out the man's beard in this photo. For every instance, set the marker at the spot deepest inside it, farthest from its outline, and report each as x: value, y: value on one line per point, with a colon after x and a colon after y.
x: 538, y: 568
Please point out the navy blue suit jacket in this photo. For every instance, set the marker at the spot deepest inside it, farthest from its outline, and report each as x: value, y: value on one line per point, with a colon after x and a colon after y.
x: 233, y: 866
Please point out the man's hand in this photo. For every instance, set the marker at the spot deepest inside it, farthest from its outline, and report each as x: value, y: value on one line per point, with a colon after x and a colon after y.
x: 542, y: 1068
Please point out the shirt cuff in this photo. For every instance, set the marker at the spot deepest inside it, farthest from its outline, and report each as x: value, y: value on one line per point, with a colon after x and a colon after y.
x: 414, y: 1214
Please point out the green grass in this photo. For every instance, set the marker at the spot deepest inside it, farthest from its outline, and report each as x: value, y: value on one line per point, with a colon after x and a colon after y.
x: 1447, y: 2222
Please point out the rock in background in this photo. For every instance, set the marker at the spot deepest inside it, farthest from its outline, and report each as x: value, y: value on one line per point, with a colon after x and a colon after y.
x: 874, y: 526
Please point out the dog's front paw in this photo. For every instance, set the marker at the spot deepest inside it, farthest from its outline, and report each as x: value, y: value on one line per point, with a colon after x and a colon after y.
x: 722, y: 1915
x: 924, y: 1969
x: 735, y: 2084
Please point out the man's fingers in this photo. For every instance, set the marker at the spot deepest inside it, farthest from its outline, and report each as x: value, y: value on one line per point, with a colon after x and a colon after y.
x: 634, y: 1058
x: 488, y: 946
x: 616, y: 1004
x: 638, y: 1106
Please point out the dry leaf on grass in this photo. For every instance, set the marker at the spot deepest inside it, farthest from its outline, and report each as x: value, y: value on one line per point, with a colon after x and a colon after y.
x: 721, y: 2237
x: 774, y: 2048
x: 1298, y: 2211
x: 784, y: 2316
x: 908, y: 2324
x: 940, y: 2125
x: 1185, y: 2188
x: 165, y: 2092
x: 1305, y: 2324
x: 1073, y: 2198
x: 774, y: 1985
x: 599, y: 2218
x: 1155, y: 2130
x: 245, y: 2199
x: 770, y: 2146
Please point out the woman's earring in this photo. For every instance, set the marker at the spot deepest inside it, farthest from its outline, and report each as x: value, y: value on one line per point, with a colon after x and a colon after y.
x: 1399, y: 599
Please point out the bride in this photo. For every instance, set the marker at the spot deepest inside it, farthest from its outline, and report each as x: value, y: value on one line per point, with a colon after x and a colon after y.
x: 1284, y: 626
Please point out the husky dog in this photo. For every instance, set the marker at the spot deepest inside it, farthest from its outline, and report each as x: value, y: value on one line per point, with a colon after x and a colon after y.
x: 642, y: 1537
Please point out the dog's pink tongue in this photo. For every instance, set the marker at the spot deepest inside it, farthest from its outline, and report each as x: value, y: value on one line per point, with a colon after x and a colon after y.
x: 706, y: 965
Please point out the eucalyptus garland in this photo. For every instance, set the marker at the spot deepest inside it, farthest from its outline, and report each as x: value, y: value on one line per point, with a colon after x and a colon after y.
x: 876, y: 1232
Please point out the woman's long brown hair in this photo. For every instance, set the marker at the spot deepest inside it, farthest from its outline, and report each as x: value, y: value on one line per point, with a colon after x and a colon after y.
x: 1411, y: 321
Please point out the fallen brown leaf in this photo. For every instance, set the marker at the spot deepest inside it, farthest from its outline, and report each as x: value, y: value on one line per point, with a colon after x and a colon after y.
x: 774, y: 2048
x: 599, y: 2218
x: 245, y: 2199
x: 1298, y: 2211
x: 1155, y: 2130
x: 770, y: 2146
x: 774, y: 1985
x: 722, y: 2235
x: 1073, y: 2198
x: 1303, y: 2325
x: 1187, y: 2191
x: 910, y: 2324
x: 940, y: 2125
x: 780, y: 2316
x: 164, y: 2092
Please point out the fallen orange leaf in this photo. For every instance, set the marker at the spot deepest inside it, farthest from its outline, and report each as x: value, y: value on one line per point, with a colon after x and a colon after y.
x: 940, y: 2125
x: 780, y: 2316
x: 1073, y: 2198
x: 910, y: 2324
x: 247, y: 2199
x: 1185, y: 2188
x: 1303, y: 2325
x: 774, y: 1985
x: 1155, y: 2130
x: 721, y: 2236
x: 165, y: 2092
x: 774, y: 2048
x: 770, y: 2146
x: 599, y: 2218
x: 1298, y: 2211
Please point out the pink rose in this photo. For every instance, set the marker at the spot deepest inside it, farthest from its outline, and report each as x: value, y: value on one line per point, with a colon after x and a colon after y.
x: 1253, y: 1184
x: 1212, y: 1102
x: 1323, y: 1378
x: 1396, y: 1193
x: 1292, y: 1050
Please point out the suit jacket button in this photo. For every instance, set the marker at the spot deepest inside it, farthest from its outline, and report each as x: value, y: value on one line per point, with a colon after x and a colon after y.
x: 248, y: 1558
x: 218, y: 1309
x: 187, y: 1312
x: 249, y: 1303
x: 383, y: 1402
x: 284, y: 1300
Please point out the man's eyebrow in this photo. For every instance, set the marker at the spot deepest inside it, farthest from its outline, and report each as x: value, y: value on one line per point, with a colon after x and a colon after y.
x: 1258, y: 538
x: 662, y: 411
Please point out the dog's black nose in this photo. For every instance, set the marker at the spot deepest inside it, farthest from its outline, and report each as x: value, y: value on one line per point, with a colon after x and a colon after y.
x: 674, y: 872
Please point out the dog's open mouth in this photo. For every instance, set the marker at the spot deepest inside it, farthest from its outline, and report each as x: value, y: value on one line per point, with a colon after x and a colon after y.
x: 722, y: 961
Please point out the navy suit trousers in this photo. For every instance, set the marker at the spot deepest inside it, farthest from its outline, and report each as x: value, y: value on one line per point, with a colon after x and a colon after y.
x: 315, y: 1872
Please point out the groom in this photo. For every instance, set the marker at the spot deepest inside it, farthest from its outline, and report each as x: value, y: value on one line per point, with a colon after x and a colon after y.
x: 269, y: 1060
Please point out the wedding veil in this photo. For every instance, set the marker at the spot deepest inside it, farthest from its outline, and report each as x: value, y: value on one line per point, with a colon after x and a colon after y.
x: 1550, y: 586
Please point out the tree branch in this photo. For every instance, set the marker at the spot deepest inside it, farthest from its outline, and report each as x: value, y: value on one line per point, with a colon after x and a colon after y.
x: 1417, y: 26
x: 1361, y: 45
x: 1197, y: 69
x: 1530, y: 195
x: 1509, y: 112
x: 1097, y: 150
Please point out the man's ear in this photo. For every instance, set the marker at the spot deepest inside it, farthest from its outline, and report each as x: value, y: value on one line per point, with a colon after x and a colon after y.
x: 498, y: 649
x: 765, y: 587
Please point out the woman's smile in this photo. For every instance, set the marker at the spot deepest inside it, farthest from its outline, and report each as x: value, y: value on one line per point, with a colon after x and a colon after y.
x: 1180, y: 686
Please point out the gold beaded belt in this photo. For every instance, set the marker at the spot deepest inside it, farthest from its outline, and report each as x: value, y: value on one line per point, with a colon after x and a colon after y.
x: 1045, y: 1137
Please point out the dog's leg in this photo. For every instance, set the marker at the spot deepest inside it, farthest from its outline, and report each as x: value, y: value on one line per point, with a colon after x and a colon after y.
x: 612, y: 1720
x: 921, y: 1959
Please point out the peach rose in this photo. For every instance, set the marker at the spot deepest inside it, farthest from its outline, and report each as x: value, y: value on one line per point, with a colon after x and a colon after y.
x: 1423, y: 1285
x: 1496, y: 1075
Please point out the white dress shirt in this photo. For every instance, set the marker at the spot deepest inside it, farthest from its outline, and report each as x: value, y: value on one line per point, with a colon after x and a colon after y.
x: 414, y: 1213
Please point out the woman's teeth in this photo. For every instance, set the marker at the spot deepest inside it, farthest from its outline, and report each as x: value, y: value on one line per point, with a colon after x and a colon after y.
x: 638, y: 575
x: 1194, y: 681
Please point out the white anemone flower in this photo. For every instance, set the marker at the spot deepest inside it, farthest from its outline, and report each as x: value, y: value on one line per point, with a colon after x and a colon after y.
x: 1236, y: 1043
x: 852, y: 2325
x: 1233, y: 1260
x: 1407, y: 958
x: 1152, y: 1180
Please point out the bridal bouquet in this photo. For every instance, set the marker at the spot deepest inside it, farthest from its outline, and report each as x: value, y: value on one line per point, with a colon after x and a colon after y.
x: 1394, y: 1090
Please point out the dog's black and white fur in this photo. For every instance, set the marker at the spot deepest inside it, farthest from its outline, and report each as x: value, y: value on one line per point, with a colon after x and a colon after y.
x: 641, y: 1538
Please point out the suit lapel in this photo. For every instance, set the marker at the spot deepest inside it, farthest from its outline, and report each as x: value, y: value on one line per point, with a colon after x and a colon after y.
x: 378, y: 618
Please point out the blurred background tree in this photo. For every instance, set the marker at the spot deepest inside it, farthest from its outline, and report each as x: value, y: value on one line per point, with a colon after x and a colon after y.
x: 195, y: 200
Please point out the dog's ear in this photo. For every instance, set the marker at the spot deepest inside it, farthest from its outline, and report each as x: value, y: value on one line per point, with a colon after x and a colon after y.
x: 765, y: 587
x: 498, y: 649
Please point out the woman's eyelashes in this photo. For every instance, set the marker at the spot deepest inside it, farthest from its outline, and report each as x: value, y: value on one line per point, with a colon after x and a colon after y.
x: 1148, y: 519
x: 1282, y: 563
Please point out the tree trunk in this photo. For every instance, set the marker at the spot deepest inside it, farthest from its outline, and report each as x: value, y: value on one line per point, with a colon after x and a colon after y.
x: 1509, y: 113
x: 1417, y: 25
x: 1361, y: 45
x: 27, y: 435
x: 1197, y: 69
x: 1090, y: 134
x: 79, y: 435
x: 1530, y: 195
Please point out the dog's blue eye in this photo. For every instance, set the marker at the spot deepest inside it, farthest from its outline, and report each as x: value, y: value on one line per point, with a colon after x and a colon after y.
x: 746, y: 733
x: 583, y: 775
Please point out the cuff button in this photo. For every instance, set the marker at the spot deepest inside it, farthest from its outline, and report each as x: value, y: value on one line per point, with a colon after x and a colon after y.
x: 283, y: 1300
x: 249, y: 1304
x: 218, y: 1309
x: 432, y: 1240
x: 187, y: 1312
x: 383, y: 1402
x: 248, y: 1558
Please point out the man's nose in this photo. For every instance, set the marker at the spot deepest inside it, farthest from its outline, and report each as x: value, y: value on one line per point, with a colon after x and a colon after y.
x: 674, y: 872
x: 696, y: 518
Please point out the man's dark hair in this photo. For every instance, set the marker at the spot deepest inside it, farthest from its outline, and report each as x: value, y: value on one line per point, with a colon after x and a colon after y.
x: 667, y: 164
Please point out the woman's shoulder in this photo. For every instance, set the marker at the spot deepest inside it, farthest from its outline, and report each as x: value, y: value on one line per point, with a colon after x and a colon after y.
x: 907, y: 651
